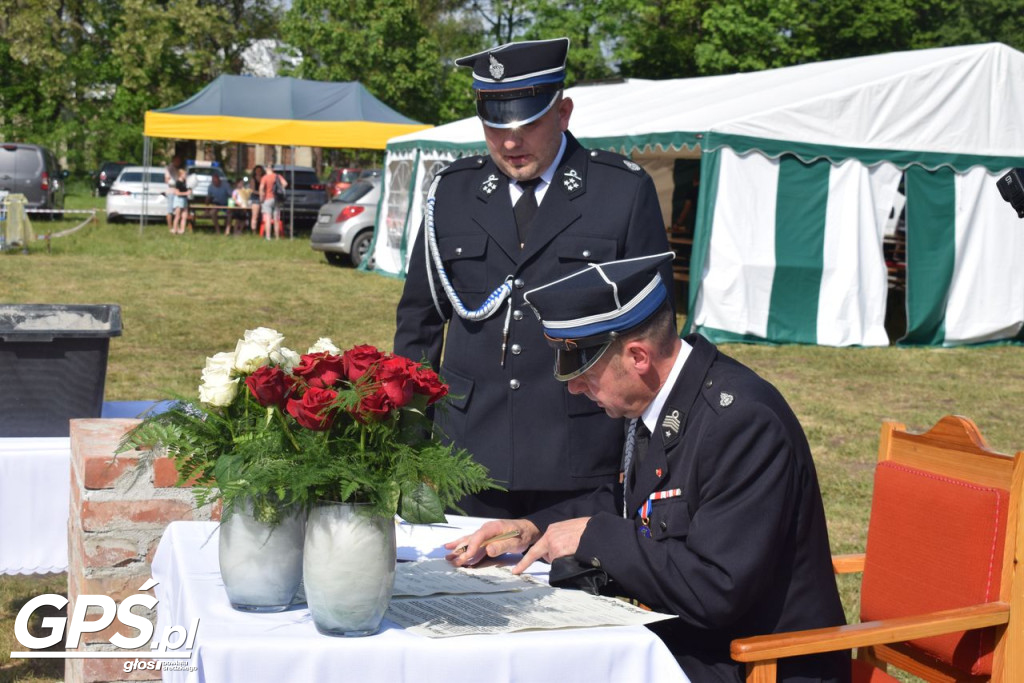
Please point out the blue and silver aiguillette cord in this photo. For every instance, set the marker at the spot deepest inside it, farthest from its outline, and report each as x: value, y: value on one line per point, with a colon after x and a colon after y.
x: 433, y: 257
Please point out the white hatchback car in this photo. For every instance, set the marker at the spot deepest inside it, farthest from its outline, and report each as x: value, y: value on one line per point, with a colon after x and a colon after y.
x: 137, y: 190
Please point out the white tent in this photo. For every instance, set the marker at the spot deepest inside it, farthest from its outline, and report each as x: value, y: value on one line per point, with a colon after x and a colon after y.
x: 800, y: 168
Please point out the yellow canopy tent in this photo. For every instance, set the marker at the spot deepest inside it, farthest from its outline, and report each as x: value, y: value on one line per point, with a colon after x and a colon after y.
x: 282, y: 111
x: 278, y: 111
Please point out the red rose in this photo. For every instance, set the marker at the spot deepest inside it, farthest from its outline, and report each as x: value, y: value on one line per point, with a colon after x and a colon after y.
x: 270, y: 386
x: 321, y: 370
x: 359, y: 359
x: 312, y: 411
x: 374, y: 406
x: 426, y: 382
x: 395, y: 380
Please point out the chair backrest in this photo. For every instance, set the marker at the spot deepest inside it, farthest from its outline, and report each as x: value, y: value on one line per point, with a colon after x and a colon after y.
x: 946, y: 532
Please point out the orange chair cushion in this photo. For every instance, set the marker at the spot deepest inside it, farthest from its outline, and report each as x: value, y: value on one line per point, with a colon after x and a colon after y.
x: 863, y: 672
x: 934, y: 543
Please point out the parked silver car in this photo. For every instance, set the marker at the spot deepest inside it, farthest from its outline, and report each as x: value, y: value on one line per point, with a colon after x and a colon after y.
x: 344, y: 226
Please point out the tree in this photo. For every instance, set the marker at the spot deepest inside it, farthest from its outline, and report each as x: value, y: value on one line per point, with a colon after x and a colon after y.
x: 382, y: 44
x: 749, y: 35
x: 591, y: 31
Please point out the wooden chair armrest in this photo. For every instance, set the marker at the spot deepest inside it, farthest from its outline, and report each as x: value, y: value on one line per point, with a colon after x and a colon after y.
x: 848, y: 564
x: 779, y: 645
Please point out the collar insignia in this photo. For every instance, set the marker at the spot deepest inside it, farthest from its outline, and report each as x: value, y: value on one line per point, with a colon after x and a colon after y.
x: 631, y: 165
x: 496, y: 68
x: 671, y: 424
x: 725, y: 400
x: 572, y: 180
x: 489, y: 185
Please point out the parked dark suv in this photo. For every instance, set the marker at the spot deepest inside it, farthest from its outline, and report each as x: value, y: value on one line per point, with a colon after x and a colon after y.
x: 106, y: 176
x: 33, y: 171
x: 308, y: 191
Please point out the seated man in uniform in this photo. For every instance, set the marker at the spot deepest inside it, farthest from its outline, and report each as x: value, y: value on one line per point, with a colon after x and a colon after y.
x: 719, y: 518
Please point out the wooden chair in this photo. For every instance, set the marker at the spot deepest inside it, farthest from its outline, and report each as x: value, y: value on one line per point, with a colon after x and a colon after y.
x: 942, y: 589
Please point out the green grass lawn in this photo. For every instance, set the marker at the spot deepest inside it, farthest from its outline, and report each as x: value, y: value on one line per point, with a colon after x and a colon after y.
x: 184, y: 298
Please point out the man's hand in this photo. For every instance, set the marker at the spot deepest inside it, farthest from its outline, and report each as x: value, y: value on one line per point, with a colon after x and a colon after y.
x: 561, y: 539
x: 469, y: 550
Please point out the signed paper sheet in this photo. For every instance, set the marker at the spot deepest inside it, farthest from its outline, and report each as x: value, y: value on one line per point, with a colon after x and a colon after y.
x: 455, y: 602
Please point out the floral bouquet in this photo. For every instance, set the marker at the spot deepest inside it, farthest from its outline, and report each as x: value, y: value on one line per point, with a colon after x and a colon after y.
x: 282, y: 429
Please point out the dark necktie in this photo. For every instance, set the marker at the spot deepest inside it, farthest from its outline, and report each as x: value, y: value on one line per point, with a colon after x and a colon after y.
x: 525, y: 208
x: 643, y: 438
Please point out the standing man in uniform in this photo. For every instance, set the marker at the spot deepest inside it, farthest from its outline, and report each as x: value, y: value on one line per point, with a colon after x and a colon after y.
x: 537, y: 208
x: 719, y: 520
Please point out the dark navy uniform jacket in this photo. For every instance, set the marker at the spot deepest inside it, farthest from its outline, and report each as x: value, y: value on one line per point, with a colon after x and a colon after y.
x: 517, y: 420
x: 743, y: 548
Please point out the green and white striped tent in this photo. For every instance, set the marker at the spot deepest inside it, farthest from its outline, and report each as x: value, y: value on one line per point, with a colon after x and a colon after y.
x: 801, y: 168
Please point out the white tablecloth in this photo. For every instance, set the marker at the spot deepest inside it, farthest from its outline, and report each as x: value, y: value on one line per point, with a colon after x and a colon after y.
x: 35, y: 476
x: 236, y: 646
x: 35, y: 485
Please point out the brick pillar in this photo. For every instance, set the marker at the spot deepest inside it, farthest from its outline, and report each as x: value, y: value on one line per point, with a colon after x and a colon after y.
x: 118, y: 513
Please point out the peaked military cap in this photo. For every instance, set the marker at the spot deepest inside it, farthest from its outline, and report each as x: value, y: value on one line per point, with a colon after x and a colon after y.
x: 583, y: 313
x: 517, y: 83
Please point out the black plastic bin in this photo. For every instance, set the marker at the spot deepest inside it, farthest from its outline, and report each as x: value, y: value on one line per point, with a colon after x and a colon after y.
x: 53, y: 365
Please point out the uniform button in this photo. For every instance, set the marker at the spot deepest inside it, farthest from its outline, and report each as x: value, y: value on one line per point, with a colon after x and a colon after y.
x: 708, y: 384
x: 518, y: 282
x: 664, y: 527
x: 596, y: 563
x: 593, y: 152
x: 513, y: 384
x: 517, y: 314
x: 586, y: 253
x: 516, y: 349
x: 480, y: 161
x: 458, y: 251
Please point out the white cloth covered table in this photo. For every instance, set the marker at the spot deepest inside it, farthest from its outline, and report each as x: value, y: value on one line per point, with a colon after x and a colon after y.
x: 236, y: 646
x: 35, y: 489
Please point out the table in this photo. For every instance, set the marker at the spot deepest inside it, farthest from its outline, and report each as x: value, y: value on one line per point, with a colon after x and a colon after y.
x: 236, y: 646
x: 202, y: 213
x: 35, y: 488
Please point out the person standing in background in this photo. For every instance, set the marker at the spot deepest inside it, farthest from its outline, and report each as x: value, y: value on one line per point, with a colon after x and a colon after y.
x: 268, y: 204
x: 538, y: 207
x: 257, y: 176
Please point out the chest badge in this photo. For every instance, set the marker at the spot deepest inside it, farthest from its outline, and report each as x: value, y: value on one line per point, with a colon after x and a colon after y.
x: 490, y: 185
x: 725, y: 400
x: 571, y: 180
x: 671, y: 424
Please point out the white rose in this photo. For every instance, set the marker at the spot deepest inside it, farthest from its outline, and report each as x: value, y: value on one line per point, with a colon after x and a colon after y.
x: 221, y: 362
x: 218, y: 389
x: 324, y: 344
x: 271, y: 339
x: 285, y: 358
x: 255, y: 348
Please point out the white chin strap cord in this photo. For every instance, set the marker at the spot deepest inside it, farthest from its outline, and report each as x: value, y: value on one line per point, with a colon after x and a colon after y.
x: 433, y: 257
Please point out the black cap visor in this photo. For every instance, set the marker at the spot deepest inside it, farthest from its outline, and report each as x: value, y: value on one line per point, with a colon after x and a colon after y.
x: 574, y: 361
x: 514, y: 108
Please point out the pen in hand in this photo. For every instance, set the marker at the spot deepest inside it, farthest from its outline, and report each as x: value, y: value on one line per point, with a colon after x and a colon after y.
x: 493, y: 539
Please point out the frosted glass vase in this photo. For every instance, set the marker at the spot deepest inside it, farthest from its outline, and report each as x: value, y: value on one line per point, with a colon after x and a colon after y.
x: 348, y: 568
x: 260, y: 563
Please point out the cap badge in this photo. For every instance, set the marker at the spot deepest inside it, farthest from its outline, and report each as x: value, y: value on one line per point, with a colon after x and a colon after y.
x: 572, y: 180
x: 489, y: 185
x: 631, y: 165
x: 671, y: 424
x: 725, y: 400
x: 497, y: 69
